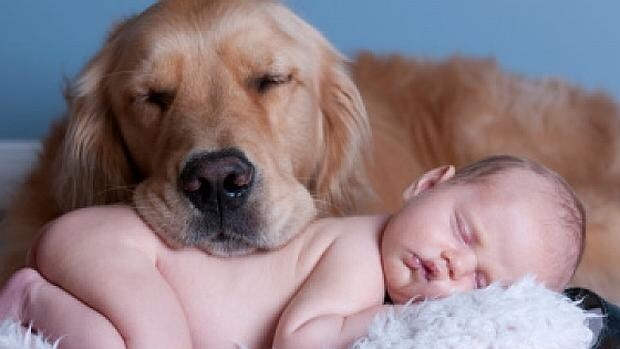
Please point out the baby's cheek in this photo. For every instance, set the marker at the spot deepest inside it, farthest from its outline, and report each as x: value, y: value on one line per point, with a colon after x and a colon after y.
x: 395, y: 273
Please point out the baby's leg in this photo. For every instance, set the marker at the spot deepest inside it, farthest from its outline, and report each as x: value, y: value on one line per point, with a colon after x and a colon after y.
x: 29, y: 298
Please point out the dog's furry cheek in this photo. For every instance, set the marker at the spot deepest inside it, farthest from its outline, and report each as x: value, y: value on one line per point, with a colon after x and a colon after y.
x: 161, y: 207
x: 287, y: 215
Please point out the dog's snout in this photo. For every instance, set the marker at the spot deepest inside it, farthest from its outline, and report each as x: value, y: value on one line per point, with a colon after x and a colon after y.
x: 218, y: 181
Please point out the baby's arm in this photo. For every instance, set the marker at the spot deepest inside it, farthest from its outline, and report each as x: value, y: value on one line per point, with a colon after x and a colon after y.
x: 104, y: 257
x: 339, y: 299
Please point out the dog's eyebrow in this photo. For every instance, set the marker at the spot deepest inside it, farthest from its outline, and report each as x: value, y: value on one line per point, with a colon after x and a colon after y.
x: 121, y: 72
x: 274, y: 64
x: 279, y: 63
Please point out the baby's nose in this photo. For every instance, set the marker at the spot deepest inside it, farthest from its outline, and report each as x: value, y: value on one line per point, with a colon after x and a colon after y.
x: 460, y: 263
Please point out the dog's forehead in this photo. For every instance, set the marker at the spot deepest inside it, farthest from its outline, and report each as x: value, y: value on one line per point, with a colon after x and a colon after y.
x: 250, y: 35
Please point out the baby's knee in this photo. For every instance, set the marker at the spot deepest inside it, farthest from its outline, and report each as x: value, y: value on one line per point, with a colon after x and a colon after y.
x: 17, y: 293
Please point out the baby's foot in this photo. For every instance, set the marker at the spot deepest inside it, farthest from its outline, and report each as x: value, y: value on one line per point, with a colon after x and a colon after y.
x: 15, y: 292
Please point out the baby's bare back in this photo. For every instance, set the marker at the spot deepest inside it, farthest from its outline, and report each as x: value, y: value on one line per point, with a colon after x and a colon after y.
x: 239, y: 300
x: 235, y: 299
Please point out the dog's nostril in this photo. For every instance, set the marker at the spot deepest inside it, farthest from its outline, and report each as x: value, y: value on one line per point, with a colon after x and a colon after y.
x: 191, y: 184
x: 237, y: 184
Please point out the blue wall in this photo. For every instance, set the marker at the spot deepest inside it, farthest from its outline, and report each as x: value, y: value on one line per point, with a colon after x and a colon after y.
x: 41, y: 42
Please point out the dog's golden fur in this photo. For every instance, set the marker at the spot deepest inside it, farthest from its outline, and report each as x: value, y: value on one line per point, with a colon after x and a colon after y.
x: 195, y: 76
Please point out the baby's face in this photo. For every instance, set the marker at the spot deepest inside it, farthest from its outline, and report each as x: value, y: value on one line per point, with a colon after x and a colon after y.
x: 458, y: 237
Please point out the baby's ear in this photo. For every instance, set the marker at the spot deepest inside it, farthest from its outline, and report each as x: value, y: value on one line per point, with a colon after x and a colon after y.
x: 429, y: 180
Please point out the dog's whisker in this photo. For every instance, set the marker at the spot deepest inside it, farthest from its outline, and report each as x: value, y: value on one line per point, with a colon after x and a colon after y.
x: 324, y: 204
x: 117, y: 188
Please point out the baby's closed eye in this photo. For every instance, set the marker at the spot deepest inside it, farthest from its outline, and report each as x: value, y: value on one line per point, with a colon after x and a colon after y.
x: 464, y: 231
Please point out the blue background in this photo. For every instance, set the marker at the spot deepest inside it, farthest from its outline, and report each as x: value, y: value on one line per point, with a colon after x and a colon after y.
x: 42, y: 42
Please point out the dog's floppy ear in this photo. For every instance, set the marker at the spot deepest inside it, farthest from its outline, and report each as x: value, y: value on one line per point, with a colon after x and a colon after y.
x: 92, y: 164
x: 341, y: 178
x: 339, y: 182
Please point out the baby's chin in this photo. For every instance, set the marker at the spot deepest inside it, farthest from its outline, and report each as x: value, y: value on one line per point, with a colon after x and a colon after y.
x: 425, y: 292
x: 397, y: 300
x: 397, y: 297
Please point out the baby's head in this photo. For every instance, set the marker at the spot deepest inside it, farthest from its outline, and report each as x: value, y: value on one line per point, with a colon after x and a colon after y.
x: 496, y: 220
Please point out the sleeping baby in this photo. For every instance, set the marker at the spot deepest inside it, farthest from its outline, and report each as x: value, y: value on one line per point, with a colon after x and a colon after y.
x: 105, y: 280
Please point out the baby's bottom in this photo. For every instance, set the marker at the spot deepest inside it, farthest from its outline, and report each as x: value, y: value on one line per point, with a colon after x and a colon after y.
x: 29, y: 298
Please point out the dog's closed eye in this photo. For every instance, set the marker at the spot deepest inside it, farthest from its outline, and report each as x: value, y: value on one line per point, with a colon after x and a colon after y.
x: 266, y: 81
x: 162, y: 99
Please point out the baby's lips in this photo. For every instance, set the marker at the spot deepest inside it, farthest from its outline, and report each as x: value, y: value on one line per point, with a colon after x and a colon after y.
x: 416, y: 264
x: 430, y: 268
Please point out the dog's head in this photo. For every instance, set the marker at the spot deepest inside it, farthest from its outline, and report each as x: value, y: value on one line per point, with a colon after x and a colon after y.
x: 230, y: 122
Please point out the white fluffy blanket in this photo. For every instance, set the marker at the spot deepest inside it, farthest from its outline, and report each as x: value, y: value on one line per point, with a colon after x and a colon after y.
x: 14, y: 336
x: 524, y: 316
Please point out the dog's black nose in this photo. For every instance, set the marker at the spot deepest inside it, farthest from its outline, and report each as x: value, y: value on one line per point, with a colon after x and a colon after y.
x: 218, y: 181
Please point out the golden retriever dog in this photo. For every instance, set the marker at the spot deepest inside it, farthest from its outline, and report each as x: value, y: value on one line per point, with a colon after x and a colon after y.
x: 230, y: 124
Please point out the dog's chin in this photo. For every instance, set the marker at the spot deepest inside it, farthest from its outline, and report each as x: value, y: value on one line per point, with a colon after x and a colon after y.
x: 229, y: 243
x: 227, y: 247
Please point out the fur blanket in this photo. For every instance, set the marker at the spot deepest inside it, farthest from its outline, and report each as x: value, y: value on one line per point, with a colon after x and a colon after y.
x: 524, y: 316
x: 14, y: 336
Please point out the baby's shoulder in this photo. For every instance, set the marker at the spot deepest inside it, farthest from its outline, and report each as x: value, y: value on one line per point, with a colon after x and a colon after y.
x: 354, y: 232
x: 349, y: 231
x: 356, y: 227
